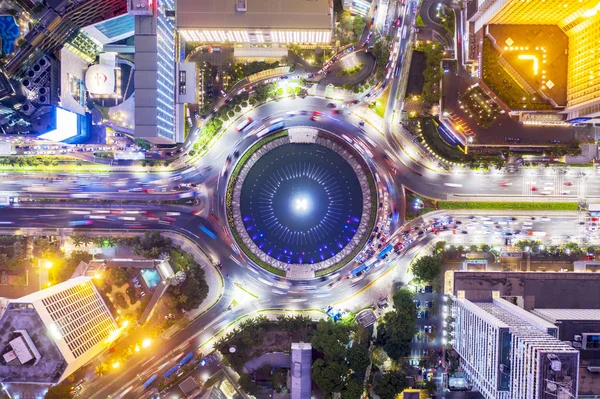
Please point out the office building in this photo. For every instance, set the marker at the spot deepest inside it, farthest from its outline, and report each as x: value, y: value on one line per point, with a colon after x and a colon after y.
x: 154, y: 70
x: 59, y: 25
x: 580, y: 327
x: 579, y: 20
x: 509, y: 353
x: 301, y: 363
x: 47, y: 335
x: 255, y: 22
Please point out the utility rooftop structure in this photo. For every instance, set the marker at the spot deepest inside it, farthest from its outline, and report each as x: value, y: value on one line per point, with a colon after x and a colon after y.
x: 255, y: 21
x: 46, y: 336
x: 509, y: 353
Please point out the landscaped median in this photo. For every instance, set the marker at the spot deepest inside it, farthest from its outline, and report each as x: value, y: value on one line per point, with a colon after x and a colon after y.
x: 513, y: 206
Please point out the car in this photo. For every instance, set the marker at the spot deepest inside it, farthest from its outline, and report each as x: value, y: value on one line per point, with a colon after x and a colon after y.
x: 417, y: 303
x: 236, y: 153
x: 331, y: 105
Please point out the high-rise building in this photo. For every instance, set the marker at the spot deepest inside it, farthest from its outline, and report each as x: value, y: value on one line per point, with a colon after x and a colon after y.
x: 58, y: 25
x: 154, y: 70
x: 48, y: 335
x: 578, y: 19
x: 300, y: 363
x: 509, y: 353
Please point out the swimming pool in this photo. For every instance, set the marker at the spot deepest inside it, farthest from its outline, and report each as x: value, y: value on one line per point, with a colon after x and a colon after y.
x: 151, y: 277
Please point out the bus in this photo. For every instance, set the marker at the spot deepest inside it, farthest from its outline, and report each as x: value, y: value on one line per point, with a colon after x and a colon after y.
x: 244, y: 124
x: 208, y: 232
x: 80, y: 222
x: 270, y: 129
x: 171, y: 371
x: 363, y: 268
x: 452, y: 185
x: 186, y: 359
x: 383, y: 253
x: 150, y: 381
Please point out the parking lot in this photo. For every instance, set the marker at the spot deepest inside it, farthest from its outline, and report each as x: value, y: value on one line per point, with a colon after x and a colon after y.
x: 426, y: 346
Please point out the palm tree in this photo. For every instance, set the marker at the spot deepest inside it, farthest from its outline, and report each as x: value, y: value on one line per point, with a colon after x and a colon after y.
x: 100, y: 369
x: 77, y: 240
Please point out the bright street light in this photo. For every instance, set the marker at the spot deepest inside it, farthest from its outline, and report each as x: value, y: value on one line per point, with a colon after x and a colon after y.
x: 48, y: 264
x: 146, y: 343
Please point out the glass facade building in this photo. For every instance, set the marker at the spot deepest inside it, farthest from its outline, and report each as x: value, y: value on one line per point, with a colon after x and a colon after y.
x: 165, y: 36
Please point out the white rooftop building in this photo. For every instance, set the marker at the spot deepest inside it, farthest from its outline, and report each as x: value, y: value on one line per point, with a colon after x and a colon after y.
x: 48, y: 335
x: 509, y: 353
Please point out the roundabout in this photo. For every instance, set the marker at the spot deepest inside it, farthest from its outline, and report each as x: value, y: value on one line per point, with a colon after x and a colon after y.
x: 301, y: 202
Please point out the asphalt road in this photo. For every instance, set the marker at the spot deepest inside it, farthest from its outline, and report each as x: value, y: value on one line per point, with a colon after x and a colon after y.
x: 393, y: 166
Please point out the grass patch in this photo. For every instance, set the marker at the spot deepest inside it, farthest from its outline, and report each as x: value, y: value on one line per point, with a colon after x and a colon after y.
x: 355, y: 70
x: 432, y: 138
x: 515, y: 206
x: 417, y: 205
x: 381, y: 103
x: 504, y: 85
x: 420, y: 22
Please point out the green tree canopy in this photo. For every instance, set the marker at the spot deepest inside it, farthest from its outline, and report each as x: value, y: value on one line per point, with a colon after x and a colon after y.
x: 426, y: 268
x: 331, y: 339
x: 60, y: 391
x: 358, y: 358
x: 398, y: 327
x: 390, y: 385
x: 247, y: 384
x: 330, y: 376
x: 353, y: 390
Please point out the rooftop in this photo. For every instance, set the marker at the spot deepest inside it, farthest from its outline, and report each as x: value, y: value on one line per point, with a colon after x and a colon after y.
x: 554, y: 315
x: 539, y: 290
x: 301, y: 364
x: 22, y: 317
x: 278, y: 14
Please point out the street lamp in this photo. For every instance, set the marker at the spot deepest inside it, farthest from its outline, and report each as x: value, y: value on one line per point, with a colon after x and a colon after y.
x: 146, y: 343
x: 48, y: 264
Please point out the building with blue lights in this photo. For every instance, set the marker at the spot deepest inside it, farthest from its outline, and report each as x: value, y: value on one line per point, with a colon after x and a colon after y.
x: 155, y: 70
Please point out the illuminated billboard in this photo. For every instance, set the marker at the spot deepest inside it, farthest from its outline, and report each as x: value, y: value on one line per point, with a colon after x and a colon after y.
x: 68, y: 126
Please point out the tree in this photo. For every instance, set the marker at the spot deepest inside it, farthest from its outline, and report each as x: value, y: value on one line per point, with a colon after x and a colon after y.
x: 431, y: 387
x: 247, y: 384
x: 426, y: 268
x: 60, y: 391
x: 353, y: 390
x: 391, y: 385
x: 143, y: 144
x: 100, y: 369
x: 119, y: 276
x: 330, y: 377
x: 331, y: 339
x: 398, y: 327
x: 77, y: 240
x: 358, y: 358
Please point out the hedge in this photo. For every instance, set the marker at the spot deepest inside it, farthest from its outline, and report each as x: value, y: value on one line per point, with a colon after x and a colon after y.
x: 516, y: 206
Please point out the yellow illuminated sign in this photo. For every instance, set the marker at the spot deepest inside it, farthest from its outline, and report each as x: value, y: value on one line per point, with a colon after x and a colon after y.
x: 531, y: 58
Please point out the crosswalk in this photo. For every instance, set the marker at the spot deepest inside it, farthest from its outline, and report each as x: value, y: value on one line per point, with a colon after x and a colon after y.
x: 553, y: 185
